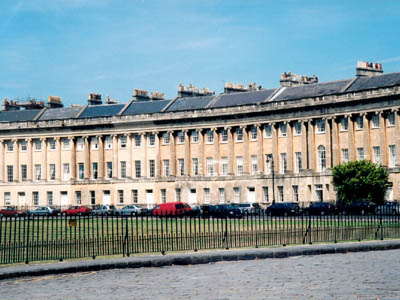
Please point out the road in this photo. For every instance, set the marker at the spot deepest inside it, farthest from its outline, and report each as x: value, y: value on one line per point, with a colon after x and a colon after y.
x: 358, y: 276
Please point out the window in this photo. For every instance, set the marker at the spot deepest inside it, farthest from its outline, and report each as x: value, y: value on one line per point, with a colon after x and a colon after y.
x: 195, y: 136
x: 345, y: 155
x: 165, y: 138
x: 181, y: 137
x: 178, y: 194
x: 236, y: 194
x: 376, y: 154
x: 181, y: 167
x: 210, y: 166
x: 10, y: 146
x: 94, y: 141
x: 280, y: 193
x: 78, y: 197
x: 375, y: 121
x: 224, y: 135
x: 391, y: 120
x: 359, y: 121
x: 109, y: 142
x: 267, y: 131
x: 135, y: 196
x: 24, y: 146
x: 268, y: 159
x: 253, y: 133
x: 35, y: 198
x: 123, y: 169
x: 52, y: 144
x: 163, y: 195
x: 138, y: 169
x: 360, y: 153
x: 38, y: 172
x: 221, y: 195
x: 138, y: 140
x: 49, y: 198
x: 265, y: 194
x: 254, y: 166
x: 122, y: 140
x: 52, y: 170
x: 298, y: 163
x: 344, y: 124
x: 195, y: 166
x: 120, y: 196
x: 224, y: 166
x: 152, y: 139
x: 81, y: 171
x: 65, y: 144
x: 79, y: 144
x: 297, y: 128
x: 239, y: 165
x: 152, y: 168
x: 392, y: 156
x: 283, y: 163
x: 239, y: 134
x: 165, y: 167
x: 210, y: 136
x: 95, y: 172
x: 295, y: 193
x: 10, y: 173
x: 206, y: 195
x: 66, y: 171
x: 7, y: 198
x: 321, y: 158
x: 319, y: 192
x: 24, y: 172
x: 92, y: 197
x: 109, y: 169
x: 38, y: 145
x: 320, y: 126
x: 282, y: 129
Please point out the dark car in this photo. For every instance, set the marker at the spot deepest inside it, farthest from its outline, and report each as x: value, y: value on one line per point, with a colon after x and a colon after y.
x: 320, y: 208
x: 11, y: 211
x: 359, y: 208
x: 283, y: 209
x: 220, y: 211
x: 389, y: 208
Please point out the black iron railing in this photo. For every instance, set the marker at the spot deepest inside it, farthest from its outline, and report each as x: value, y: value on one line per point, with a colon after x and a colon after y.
x: 39, y: 238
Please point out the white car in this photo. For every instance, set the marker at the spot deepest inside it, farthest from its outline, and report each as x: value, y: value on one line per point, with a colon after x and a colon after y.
x: 133, y: 210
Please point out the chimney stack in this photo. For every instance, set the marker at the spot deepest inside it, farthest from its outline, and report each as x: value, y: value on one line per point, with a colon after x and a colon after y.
x: 366, y: 69
x: 290, y: 79
x: 140, y: 95
x: 54, y: 102
x: 192, y: 91
x: 94, y: 99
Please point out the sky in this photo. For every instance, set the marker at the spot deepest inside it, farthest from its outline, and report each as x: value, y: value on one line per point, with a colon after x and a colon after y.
x: 70, y: 48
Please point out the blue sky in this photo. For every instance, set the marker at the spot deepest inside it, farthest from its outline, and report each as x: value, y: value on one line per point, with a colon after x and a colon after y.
x: 70, y: 48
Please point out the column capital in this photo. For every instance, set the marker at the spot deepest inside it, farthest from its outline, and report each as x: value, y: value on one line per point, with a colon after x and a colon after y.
x: 257, y: 125
x: 15, y: 140
x: 228, y: 127
x: 43, y: 139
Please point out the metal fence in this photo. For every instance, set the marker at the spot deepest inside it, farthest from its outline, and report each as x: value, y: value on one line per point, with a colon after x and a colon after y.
x: 35, y: 238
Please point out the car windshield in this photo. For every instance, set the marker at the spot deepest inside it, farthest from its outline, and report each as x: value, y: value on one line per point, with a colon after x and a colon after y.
x: 178, y: 206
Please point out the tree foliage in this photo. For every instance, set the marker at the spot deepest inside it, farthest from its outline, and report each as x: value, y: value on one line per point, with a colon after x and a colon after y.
x: 360, y: 181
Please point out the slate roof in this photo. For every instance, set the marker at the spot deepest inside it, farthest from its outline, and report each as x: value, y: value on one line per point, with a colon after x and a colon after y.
x: 241, y: 98
x: 60, y: 113
x: 105, y: 110
x: 145, y: 107
x: 366, y: 83
x: 19, y: 115
x: 190, y: 103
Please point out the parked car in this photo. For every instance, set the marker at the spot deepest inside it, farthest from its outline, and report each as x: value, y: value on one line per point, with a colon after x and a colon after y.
x: 221, y: 211
x: 389, y: 208
x: 133, y: 210
x: 11, y: 211
x: 283, y: 209
x: 56, y: 211
x: 249, y: 208
x: 196, y: 211
x: 104, y: 210
x: 42, y: 211
x: 77, y: 210
x: 359, y: 208
x: 320, y: 208
x: 172, y: 209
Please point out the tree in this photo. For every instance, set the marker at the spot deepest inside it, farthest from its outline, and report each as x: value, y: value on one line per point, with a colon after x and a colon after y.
x: 360, y: 181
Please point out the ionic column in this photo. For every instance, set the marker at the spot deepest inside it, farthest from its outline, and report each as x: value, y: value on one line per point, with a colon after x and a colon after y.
x: 129, y: 165
x: 245, y: 151
x: 366, y: 137
x: 86, y: 168
x: 186, y: 156
x: 2, y: 165
x: 44, y: 169
x: 274, y: 146
x: 172, y: 153
x: 201, y: 153
x: 30, y: 160
x: 230, y: 150
x: 311, y: 145
x: 352, y: 141
x: 58, y: 159
x: 215, y: 151
x: 335, y: 143
x: 304, y: 149
x: 158, y: 157
x: 328, y: 144
x: 101, y: 168
x: 383, y: 139
x: 289, y: 130
x: 397, y: 136
x: 72, y: 158
x: 115, y: 157
x: 260, y: 161
x: 145, y: 163
x: 16, y: 160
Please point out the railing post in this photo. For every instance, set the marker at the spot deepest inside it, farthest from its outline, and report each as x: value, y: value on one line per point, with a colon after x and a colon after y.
x: 27, y: 241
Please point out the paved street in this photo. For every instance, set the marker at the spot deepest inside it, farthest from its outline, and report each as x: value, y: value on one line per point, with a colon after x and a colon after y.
x: 362, y: 275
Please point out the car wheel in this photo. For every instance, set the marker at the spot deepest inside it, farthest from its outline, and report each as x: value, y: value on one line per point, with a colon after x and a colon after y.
x: 285, y: 214
x: 362, y: 212
x: 322, y: 213
x: 15, y: 215
x: 79, y: 214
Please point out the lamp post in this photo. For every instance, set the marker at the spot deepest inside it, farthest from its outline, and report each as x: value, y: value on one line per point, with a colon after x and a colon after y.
x: 270, y: 159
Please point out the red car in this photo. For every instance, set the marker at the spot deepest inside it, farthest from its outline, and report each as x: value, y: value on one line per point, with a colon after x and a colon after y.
x: 78, y: 210
x: 172, y: 209
x: 11, y: 211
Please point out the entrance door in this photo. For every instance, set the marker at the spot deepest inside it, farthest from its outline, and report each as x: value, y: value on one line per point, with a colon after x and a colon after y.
x: 64, y: 199
x: 21, y: 199
x: 192, y: 196
x: 251, y: 195
x: 106, y: 197
x: 149, y: 198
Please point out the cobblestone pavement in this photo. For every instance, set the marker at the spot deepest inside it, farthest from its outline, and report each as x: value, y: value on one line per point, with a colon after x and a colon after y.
x: 359, y: 276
